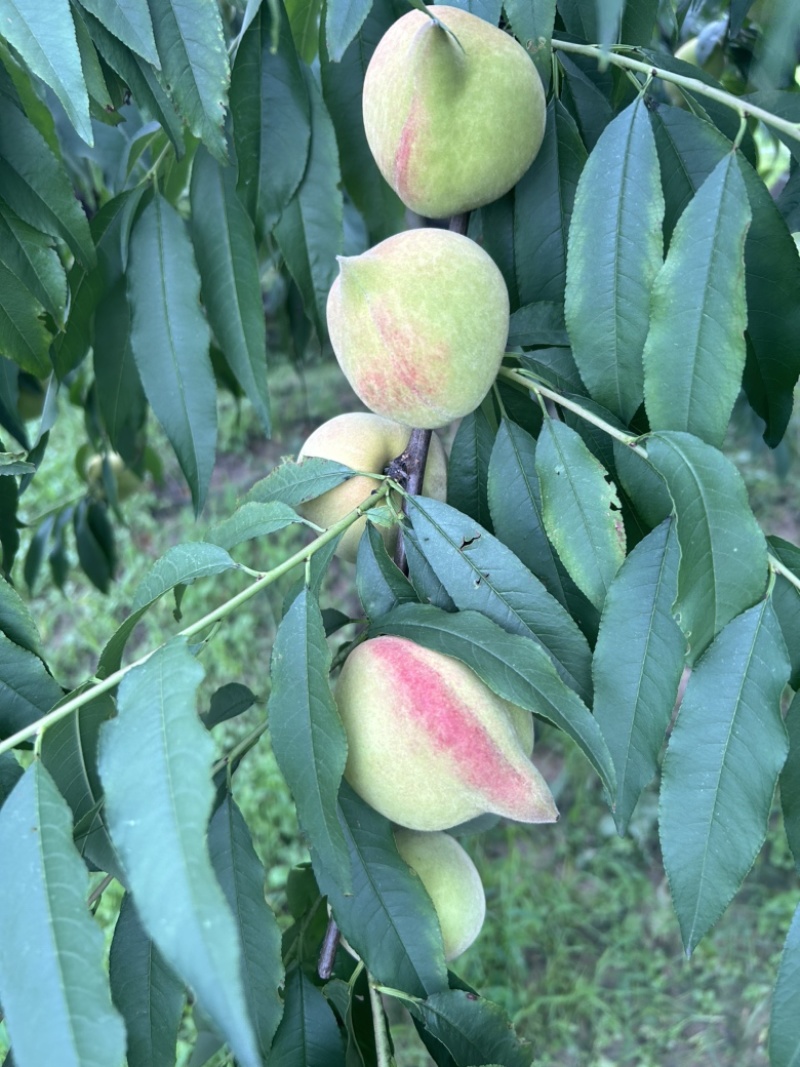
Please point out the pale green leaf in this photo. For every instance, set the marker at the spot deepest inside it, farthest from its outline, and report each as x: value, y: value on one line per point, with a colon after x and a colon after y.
x: 27, y: 691
x: 343, y: 20
x: 129, y: 22
x: 16, y: 621
x: 784, y: 1024
x: 250, y: 521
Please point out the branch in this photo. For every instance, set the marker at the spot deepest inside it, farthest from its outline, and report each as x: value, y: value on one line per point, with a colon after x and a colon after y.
x: 409, y: 471
x: 218, y: 613
x: 791, y: 129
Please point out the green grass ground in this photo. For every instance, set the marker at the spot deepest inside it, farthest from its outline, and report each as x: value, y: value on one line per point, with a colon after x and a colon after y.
x: 580, y: 944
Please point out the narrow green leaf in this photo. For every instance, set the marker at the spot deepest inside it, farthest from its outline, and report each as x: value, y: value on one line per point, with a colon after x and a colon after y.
x: 9, y: 396
x: 723, y: 760
x: 343, y: 20
x: 304, y: 19
x: 10, y: 774
x: 580, y: 509
x: 145, y: 991
x: 784, y: 1024
x: 533, y: 25
x: 586, y: 93
x: 637, y: 665
x: 786, y: 601
x: 723, y: 567
x: 388, y: 918
x: 94, y: 539
x: 9, y: 531
x: 481, y: 574
x: 272, y: 127
x: 155, y: 765
x: 310, y: 231
x: 540, y: 323
x: 27, y: 691
x: 69, y: 753
x: 615, y: 251
x: 53, y: 984
x: 472, y: 1029
x: 510, y: 665
x: 170, y: 340
x: 16, y: 621
x: 295, y: 483
x: 242, y: 876
x: 342, y: 82
x: 309, y: 1033
x: 130, y: 23
x: 468, y: 468
x: 543, y: 207
x: 43, y: 33
x: 23, y: 334
x: 30, y: 256
x: 307, y: 734
x: 120, y: 395
x: 227, y: 702
x: 251, y: 520
x: 36, y: 186
x: 194, y: 62
x: 180, y: 565
x: 380, y: 583
x: 609, y: 18
x: 225, y: 247
x: 693, y: 375
x: 790, y: 780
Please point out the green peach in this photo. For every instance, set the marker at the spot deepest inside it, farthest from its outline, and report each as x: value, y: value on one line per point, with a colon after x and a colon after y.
x: 365, y: 442
x: 452, y: 124
x: 419, y: 325
x: 452, y: 882
x: 430, y: 746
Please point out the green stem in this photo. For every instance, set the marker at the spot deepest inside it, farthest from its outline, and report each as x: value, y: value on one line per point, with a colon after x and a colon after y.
x: 743, y: 107
x: 218, y: 613
x: 382, y: 1046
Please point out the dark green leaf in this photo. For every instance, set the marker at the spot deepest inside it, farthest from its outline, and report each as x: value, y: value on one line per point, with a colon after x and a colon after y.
x: 225, y: 247
x: 145, y: 991
x: 510, y: 665
x: 693, y: 376
x: 637, y: 665
x: 16, y: 621
x: 790, y: 781
x: 381, y: 584
x: 43, y: 33
x: 227, y: 702
x: 69, y: 752
x: 10, y: 774
x: 308, y: 1035
x: 615, y: 250
x: 53, y: 984
x: 541, y: 323
x: 723, y: 567
x: 119, y: 389
x: 242, y: 877
x: 786, y: 601
x: 580, y: 509
x: 533, y: 25
x: 94, y: 539
x: 9, y: 531
x: 155, y: 765
x: 251, y: 520
x: 295, y: 483
x: 170, y: 340
x: 27, y: 691
x: 784, y: 1026
x: 722, y: 763
x: 129, y: 22
x: 23, y: 334
x: 646, y: 488
x: 310, y: 231
x: 272, y: 127
x: 30, y: 256
x: 194, y: 62
x: 342, y: 83
x: 481, y: 574
x: 588, y: 103
x: 468, y: 467
x: 10, y: 418
x: 307, y: 735
x: 472, y: 1029
x: 36, y: 186
x: 389, y: 918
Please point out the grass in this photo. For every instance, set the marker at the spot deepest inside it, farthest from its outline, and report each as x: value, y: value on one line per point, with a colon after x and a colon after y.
x: 580, y: 945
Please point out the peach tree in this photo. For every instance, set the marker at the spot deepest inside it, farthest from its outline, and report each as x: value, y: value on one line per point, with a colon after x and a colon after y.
x: 596, y: 562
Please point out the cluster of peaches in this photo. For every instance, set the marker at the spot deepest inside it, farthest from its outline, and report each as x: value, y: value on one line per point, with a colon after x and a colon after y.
x: 454, y: 114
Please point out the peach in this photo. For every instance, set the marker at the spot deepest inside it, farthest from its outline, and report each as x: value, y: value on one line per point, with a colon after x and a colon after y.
x: 452, y: 124
x: 419, y: 325
x: 365, y: 442
x: 452, y: 882
x: 430, y: 746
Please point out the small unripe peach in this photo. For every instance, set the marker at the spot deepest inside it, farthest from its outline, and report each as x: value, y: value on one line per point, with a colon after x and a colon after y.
x: 365, y: 442
x: 430, y: 746
x: 419, y: 325
x: 452, y: 882
x: 452, y: 124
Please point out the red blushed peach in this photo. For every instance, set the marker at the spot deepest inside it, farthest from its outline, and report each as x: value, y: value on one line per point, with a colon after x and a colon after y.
x: 430, y: 746
x: 419, y: 325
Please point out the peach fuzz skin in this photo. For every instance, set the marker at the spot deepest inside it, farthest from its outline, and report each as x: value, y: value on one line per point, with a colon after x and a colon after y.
x: 365, y: 442
x: 419, y: 325
x: 431, y: 746
x: 452, y: 126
